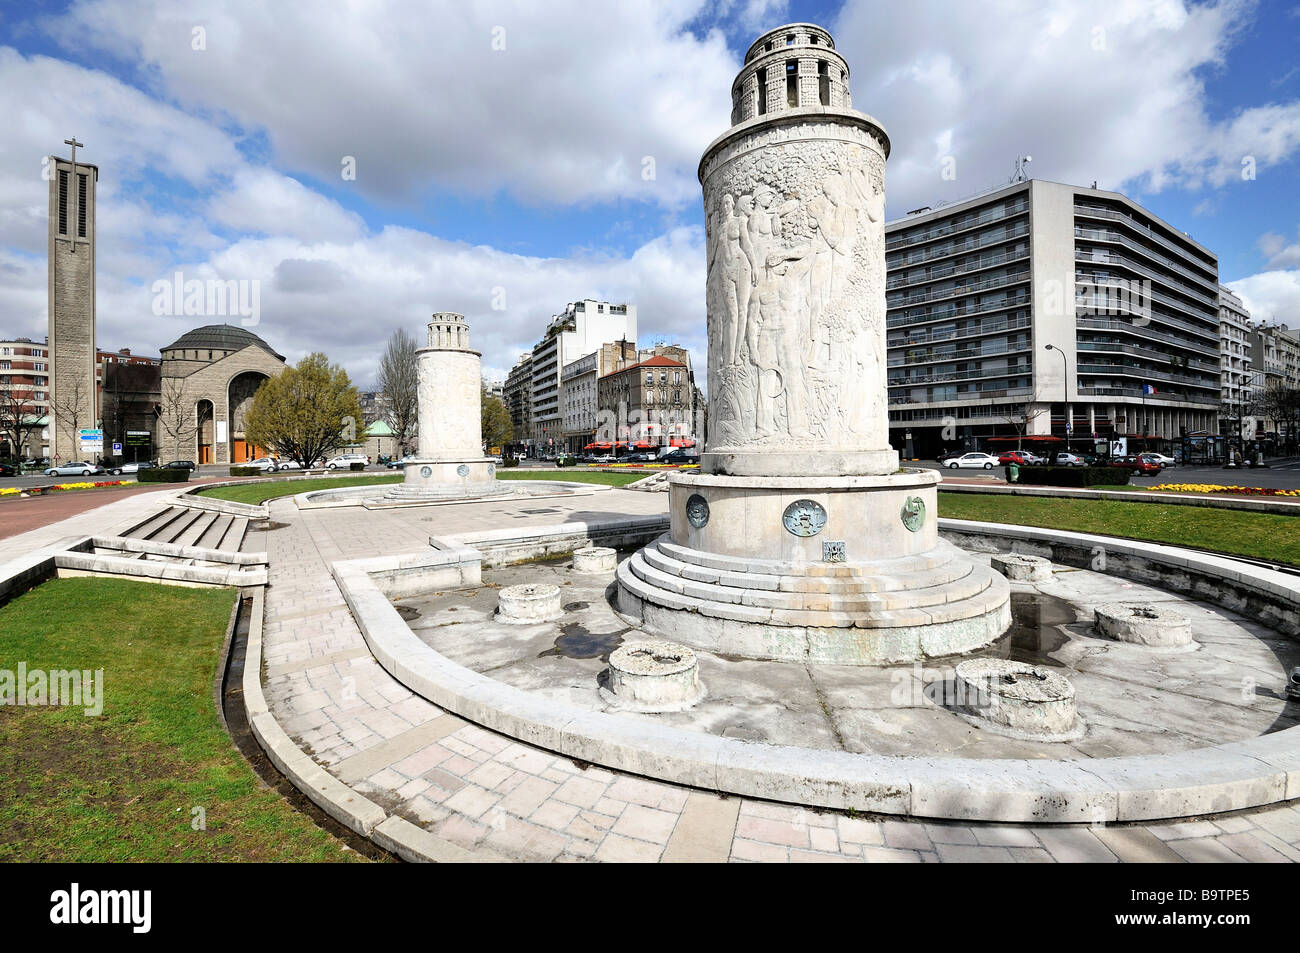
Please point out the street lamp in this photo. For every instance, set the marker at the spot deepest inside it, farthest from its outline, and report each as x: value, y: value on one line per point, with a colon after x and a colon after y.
x: 1069, y: 420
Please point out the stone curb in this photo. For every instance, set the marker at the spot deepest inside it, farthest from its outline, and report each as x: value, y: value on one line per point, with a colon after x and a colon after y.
x: 1222, y: 778
x: 229, y: 507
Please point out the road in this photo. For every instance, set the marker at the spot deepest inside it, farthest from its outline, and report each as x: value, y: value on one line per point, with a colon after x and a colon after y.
x: 1281, y: 475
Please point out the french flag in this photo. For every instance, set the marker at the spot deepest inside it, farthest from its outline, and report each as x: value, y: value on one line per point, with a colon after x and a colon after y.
x: 1148, y: 389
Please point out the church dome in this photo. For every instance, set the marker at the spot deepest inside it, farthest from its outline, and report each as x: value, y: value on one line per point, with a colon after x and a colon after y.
x: 219, y: 337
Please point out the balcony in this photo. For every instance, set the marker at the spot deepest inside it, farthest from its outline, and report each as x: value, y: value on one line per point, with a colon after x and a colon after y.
x: 960, y: 355
x: 1093, y: 211
x: 1147, y: 374
x: 957, y: 312
x: 938, y: 294
x: 1015, y: 370
x: 1137, y: 392
x: 1092, y: 303
x: 970, y: 244
x: 1097, y: 256
x: 1105, y: 235
x: 1146, y: 352
x: 985, y: 327
x: 964, y: 223
x: 959, y: 268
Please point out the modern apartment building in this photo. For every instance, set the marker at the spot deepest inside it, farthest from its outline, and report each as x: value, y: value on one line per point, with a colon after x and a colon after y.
x: 24, y: 397
x: 1235, y: 372
x: 1010, y: 310
x: 580, y: 329
x: 518, y: 396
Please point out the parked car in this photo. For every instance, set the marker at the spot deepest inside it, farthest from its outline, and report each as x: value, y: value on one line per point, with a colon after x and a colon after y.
x: 949, y: 455
x: 344, y: 461
x: 641, y: 456
x: 1159, y: 458
x: 6, y: 470
x: 972, y: 460
x: 1064, y: 459
x: 1136, y: 464
x: 265, y: 464
x: 1018, y: 457
x: 134, y: 467
x: 287, y: 464
x: 680, y: 457
x: 75, y: 468
x: 602, y: 458
x: 399, y: 463
x: 179, y: 465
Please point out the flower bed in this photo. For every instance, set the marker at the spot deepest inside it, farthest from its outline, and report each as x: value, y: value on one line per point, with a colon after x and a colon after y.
x: 38, y: 490
x: 1217, y: 488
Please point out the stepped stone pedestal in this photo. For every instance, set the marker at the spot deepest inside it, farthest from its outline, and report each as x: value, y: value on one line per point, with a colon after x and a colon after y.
x: 800, y: 538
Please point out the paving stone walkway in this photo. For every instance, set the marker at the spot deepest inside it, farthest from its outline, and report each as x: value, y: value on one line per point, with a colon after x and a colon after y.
x: 501, y: 799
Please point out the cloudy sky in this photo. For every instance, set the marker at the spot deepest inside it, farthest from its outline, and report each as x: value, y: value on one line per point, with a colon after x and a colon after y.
x: 511, y: 157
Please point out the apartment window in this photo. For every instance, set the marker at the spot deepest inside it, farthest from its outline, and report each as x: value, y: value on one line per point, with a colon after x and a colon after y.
x: 677, y: 377
x: 4, y: 365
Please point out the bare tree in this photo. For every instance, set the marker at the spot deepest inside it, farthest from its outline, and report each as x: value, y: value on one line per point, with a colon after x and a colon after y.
x: 19, y: 418
x: 178, y: 419
x: 1020, y: 419
x: 68, y: 405
x: 399, y: 385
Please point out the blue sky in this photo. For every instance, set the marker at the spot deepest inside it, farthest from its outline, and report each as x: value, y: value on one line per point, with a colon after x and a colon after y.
x: 499, y: 147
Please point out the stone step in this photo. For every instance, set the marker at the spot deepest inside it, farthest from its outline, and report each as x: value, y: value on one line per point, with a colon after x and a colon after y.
x: 196, y: 529
x: 906, y: 572
x: 942, y: 555
x: 234, y: 537
x: 173, y: 530
x: 154, y: 523
x: 211, y: 538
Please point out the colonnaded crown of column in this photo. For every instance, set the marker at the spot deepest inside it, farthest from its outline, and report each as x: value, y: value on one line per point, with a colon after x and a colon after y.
x: 449, y: 331
x: 791, y: 67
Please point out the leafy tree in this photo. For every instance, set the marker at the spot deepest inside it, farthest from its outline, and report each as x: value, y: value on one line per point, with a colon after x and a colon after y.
x: 498, y: 429
x: 399, y: 380
x: 305, y: 412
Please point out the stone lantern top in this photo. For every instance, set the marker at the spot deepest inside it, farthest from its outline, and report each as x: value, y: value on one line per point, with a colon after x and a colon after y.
x: 792, y: 67
x: 449, y: 332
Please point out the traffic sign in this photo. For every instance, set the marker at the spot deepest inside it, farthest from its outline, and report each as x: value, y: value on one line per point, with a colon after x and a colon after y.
x: 117, y: 448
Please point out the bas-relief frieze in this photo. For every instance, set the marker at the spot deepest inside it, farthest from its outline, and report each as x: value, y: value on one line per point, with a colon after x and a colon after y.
x: 795, y: 291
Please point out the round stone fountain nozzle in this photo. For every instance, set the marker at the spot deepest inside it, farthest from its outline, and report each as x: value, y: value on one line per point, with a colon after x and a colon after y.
x: 652, y: 675
x: 1017, y: 699
x: 529, y: 603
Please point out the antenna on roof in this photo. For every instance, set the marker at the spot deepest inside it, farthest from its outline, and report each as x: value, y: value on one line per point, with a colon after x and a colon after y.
x: 1021, y: 172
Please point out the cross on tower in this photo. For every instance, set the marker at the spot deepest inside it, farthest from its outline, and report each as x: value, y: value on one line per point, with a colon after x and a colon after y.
x: 72, y: 228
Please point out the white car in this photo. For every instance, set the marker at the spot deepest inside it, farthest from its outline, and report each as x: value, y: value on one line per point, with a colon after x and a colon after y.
x: 76, y: 468
x: 265, y: 464
x: 344, y: 461
x: 286, y: 465
x: 972, y: 460
x: 1159, y: 458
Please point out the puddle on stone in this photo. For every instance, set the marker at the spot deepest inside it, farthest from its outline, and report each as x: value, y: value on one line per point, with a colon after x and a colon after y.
x: 1035, y: 633
x: 576, y: 606
x: 578, y: 642
x: 407, y: 612
x: 268, y: 525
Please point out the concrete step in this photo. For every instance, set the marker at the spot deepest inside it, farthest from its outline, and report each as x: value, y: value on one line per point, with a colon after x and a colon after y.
x: 173, y: 530
x: 211, y: 538
x: 234, y: 537
x: 152, y: 525
x: 196, y: 529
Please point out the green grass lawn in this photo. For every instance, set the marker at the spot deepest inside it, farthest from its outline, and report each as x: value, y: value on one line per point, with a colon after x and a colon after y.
x: 1261, y: 535
x: 261, y: 492
x: 122, y: 786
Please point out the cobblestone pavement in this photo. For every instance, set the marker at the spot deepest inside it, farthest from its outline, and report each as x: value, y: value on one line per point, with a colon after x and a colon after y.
x: 505, y: 800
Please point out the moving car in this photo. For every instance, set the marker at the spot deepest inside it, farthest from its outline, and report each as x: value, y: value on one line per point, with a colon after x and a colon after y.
x: 1159, y: 458
x: 76, y: 468
x: 1136, y: 464
x: 135, y: 467
x: 972, y: 460
x: 1064, y: 459
x: 344, y: 461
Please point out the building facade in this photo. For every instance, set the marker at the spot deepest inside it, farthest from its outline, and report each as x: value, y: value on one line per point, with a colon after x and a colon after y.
x: 209, y: 377
x: 1236, y: 370
x: 579, y: 382
x: 649, y: 403
x: 1009, y: 311
x: 24, y: 398
x: 129, y: 389
x: 580, y: 329
x: 1275, y: 357
x: 71, y: 298
x: 517, y: 395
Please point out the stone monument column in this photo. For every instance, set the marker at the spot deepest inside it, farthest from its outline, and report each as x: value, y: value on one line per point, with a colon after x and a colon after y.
x: 800, y: 538
x: 450, y: 460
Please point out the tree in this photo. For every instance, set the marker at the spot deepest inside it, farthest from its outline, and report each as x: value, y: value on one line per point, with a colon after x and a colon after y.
x: 399, y: 384
x: 69, y: 405
x: 1280, y: 403
x: 178, y: 419
x: 1020, y: 421
x: 305, y: 412
x: 498, y: 429
x: 19, y: 418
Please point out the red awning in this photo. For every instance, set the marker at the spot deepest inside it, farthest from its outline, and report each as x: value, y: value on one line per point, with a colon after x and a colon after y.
x: 1039, y: 439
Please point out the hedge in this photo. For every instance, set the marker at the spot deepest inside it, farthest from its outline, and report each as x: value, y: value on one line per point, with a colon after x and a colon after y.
x: 245, y: 471
x: 510, y: 462
x: 162, y: 475
x: 356, y: 465
x: 1074, y: 476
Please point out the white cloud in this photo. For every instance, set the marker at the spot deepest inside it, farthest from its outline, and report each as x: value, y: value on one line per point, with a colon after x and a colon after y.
x: 565, y: 112
x: 1109, y: 92
x: 1278, y: 252
x: 1272, y: 296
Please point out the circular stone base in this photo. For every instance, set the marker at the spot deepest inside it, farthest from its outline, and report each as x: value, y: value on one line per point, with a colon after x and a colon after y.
x: 531, y: 603
x: 651, y: 675
x: 776, y: 463
x: 1143, y: 624
x: 1017, y: 699
x: 595, y: 559
x: 1020, y: 568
